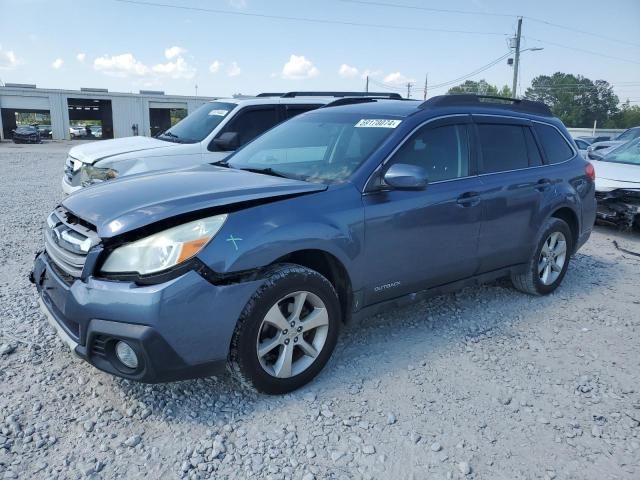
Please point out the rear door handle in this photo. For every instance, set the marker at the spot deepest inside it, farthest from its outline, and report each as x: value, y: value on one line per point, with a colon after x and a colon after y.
x: 468, y: 199
x: 543, y: 184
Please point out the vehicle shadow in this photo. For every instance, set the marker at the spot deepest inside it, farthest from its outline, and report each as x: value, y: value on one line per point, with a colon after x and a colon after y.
x: 377, y: 346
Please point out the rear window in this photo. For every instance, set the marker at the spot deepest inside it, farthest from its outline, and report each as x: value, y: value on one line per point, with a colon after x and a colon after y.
x: 555, y: 147
x: 503, y: 147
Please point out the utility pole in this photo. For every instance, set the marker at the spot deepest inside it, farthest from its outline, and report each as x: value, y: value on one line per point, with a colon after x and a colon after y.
x: 426, y: 84
x: 516, y: 62
x: 408, y: 89
x: 366, y: 85
x: 196, y: 89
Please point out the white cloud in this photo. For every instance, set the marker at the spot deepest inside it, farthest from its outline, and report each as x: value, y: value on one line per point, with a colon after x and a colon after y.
x: 234, y: 69
x: 173, y: 52
x: 347, y: 71
x: 396, y: 78
x: 215, y: 66
x: 179, y: 68
x: 81, y: 57
x: 298, y: 68
x: 121, y: 65
x: 8, y: 59
x: 125, y: 65
x: 57, y: 63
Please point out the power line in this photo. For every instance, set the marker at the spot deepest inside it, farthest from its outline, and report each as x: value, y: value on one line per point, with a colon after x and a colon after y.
x: 490, y: 14
x: 307, y: 19
x: 583, y: 50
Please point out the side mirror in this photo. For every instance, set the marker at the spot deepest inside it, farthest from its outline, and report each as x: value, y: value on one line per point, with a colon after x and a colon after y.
x: 403, y: 176
x: 228, y: 141
x: 593, y: 155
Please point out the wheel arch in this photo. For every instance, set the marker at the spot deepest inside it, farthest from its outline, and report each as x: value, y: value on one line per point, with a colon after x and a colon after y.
x: 569, y: 216
x: 331, y: 268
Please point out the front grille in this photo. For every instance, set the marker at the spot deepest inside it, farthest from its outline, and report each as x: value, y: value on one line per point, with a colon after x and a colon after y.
x: 67, y: 241
x: 71, y: 166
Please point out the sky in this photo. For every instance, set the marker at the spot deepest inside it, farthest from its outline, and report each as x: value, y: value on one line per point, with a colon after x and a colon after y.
x: 237, y: 46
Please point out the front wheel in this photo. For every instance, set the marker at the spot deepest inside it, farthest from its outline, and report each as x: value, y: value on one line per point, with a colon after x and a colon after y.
x: 548, y: 264
x: 287, y: 331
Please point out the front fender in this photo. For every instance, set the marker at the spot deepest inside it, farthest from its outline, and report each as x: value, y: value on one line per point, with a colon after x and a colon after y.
x: 330, y: 221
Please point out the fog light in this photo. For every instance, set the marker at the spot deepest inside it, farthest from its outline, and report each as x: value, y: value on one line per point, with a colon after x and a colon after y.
x: 126, y: 354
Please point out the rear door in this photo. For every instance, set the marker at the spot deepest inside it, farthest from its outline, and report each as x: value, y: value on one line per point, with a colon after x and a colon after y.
x: 420, y: 239
x: 514, y: 180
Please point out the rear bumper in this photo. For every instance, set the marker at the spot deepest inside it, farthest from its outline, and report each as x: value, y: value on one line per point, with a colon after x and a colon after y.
x: 179, y: 329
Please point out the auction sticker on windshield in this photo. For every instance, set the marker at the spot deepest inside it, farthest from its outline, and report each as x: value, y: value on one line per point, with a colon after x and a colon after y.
x: 377, y: 123
x: 218, y: 113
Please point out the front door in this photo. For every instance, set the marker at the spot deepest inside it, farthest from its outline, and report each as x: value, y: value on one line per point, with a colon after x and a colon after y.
x: 421, y: 239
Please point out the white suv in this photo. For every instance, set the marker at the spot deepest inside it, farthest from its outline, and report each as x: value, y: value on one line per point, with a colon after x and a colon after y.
x: 208, y: 135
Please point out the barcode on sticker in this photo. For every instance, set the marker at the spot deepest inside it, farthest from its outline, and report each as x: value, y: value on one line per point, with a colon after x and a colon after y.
x: 377, y: 123
x: 218, y: 113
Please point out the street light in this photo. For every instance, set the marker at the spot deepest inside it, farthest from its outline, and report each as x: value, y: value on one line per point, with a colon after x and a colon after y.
x: 516, y: 65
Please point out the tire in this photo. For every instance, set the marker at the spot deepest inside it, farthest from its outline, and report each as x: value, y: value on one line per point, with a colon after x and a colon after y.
x: 533, y: 280
x: 288, y: 289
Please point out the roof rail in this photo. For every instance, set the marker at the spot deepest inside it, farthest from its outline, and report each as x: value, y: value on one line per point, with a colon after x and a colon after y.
x: 342, y: 94
x: 349, y: 101
x: 514, y: 104
x: 270, y: 94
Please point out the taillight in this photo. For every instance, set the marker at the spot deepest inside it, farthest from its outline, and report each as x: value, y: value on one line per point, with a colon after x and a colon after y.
x: 590, y: 172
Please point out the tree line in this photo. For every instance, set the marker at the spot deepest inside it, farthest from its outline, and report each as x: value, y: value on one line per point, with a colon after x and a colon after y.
x: 578, y: 101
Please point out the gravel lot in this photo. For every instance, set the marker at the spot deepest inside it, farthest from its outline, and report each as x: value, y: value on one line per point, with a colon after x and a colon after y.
x: 486, y: 383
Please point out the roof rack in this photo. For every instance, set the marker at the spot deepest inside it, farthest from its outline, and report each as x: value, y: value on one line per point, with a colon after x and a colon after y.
x: 352, y: 100
x: 333, y: 94
x: 514, y: 104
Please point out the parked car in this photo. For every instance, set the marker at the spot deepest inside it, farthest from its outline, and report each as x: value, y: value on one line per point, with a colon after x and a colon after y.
x: 600, y: 138
x: 582, y: 145
x: 77, y: 131
x: 26, y: 134
x: 45, y: 130
x: 96, y: 131
x: 618, y: 185
x: 209, y: 134
x: 256, y: 262
x: 604, y: 147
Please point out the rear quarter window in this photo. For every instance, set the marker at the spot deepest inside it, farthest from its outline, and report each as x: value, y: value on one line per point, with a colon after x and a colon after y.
x: 555, y: 146
x: 503, y: 147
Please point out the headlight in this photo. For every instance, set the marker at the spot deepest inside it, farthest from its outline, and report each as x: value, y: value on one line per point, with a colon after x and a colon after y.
x: 90, y: 174
x: 165, y: 249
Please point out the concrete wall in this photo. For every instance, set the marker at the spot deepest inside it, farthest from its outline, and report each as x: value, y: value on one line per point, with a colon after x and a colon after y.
x: 588, y: 132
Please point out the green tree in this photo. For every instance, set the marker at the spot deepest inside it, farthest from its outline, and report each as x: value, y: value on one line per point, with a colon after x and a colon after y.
x: 481, y: 87
x: 627, y: 117
x: 576, y: 100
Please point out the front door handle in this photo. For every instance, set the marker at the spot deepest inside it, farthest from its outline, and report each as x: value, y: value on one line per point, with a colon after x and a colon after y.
x: 543, y: 184
x: 468, y: 199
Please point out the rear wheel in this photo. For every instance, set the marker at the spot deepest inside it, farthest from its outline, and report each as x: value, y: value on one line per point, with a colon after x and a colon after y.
x: 550, y: 260
x: 287, y: 331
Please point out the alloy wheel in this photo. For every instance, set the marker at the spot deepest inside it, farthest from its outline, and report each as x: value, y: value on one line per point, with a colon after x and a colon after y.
x: 552, y: 258
x: 292, y: 334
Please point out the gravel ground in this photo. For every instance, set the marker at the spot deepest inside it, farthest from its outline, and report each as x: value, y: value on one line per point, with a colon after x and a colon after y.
x: 486, y: 383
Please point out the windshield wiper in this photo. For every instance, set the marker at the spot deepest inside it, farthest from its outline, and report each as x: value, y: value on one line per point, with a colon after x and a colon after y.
x: 265, y: 171
x: 170, y: 136
x: 221, y: 163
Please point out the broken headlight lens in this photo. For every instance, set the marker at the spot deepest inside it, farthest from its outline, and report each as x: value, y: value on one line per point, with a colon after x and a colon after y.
x: 90, y: 174
x: 165, y: 249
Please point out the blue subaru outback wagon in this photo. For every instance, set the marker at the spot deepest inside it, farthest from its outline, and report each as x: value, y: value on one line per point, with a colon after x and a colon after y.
x: 254, y: 263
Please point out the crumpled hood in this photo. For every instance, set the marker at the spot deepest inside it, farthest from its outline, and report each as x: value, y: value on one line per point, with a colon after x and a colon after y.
x: 612, y: 175
x: 94, y: 151
x: 129, y: 203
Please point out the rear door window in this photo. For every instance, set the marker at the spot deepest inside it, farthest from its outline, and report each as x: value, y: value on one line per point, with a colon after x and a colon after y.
x: 251, y: 123
x: 503, y: 147
x: 555, y: 146
x: 291, y: 111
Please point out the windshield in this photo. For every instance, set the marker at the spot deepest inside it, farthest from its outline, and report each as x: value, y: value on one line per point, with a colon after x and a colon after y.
x: 627, y: 153
x: 318, y: 147
x: 628, y: 135
x: 195, y: 127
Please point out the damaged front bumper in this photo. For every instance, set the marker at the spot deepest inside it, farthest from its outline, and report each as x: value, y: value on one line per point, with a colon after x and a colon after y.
x: 619, y: 207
